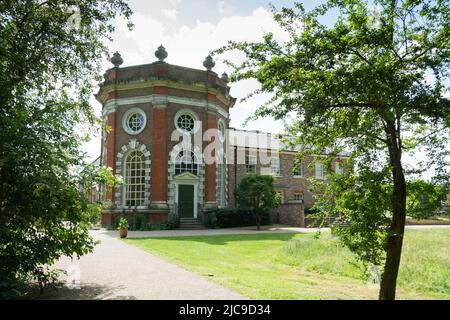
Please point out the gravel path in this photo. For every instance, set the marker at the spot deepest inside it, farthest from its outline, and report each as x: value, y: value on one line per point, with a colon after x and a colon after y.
x: 116, y: 270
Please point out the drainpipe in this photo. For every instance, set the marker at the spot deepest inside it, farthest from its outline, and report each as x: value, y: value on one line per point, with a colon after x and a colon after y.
x: 235, y: 175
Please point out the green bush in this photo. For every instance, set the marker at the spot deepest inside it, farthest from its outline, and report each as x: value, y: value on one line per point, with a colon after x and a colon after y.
x: 138, y: 222
x: 240, y: 217
x: 424, y: 199
x: 123, y: 223
x: 310, y: 211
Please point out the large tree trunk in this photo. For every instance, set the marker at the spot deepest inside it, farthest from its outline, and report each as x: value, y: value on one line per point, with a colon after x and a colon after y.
x: 395, y: 238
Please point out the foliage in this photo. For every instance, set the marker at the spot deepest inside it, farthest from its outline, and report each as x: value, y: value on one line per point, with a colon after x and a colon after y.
x: 47, y: 72
x: 239, y: 217
x: 360, y: 82
x: 424, y: 199
x: 123, y: 223
x: 93, y: 211
x: 137, y: 221
x: 257, y: 192
x: 310, y: 211
x: 94, y: 176
x: 363, y: 200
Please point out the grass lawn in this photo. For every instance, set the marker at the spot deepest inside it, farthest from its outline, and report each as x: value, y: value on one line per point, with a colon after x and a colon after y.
x: 298, y: 266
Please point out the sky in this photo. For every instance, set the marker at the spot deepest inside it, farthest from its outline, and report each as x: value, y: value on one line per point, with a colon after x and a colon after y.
x: 189, y: 30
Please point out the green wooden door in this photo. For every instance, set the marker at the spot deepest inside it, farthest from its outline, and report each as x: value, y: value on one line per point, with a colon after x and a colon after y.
x: 186, y: 200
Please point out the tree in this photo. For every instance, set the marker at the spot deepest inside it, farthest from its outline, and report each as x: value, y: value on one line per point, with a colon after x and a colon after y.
x: 94, y: 176
x: 257, y: 192
x: 361, y: 83
x: 49, y: 53
x: 423, y: 198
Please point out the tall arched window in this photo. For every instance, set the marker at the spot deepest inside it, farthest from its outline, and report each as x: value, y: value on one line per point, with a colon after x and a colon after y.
x: 186, y: 161
x: 135, y: 179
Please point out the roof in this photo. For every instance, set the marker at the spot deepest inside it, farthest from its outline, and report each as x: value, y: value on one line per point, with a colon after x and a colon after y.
x: 162, y: 71
x: 255, y: 139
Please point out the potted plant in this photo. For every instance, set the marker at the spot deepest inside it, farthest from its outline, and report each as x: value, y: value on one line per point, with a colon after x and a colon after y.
x: 123, y: 227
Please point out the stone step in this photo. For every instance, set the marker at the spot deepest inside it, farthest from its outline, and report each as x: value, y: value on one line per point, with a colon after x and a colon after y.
x: 190, y: 224
x: 191, y: 228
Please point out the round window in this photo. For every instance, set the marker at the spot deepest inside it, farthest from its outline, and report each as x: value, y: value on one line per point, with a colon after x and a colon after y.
x: 134, y: 121
x: 186, y: 122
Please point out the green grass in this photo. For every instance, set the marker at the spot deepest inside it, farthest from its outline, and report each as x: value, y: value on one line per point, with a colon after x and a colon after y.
x: 298, y: 266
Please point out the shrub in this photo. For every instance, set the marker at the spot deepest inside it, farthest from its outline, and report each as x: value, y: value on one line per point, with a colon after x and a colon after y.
x: 240, y: 217
x: 123, y: 223
x: 424, y: 199
x: 139, y: 221
x: 310, y: 211
x: 257, y: 192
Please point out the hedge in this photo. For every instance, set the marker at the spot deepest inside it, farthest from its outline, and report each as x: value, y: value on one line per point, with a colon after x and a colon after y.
x: 240, y: 217
x: 137, y: 221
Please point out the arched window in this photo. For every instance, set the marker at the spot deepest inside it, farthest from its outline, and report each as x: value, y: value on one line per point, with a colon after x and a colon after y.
x: 135, y: 179
x: 186, y: 161
x: 134, y: 121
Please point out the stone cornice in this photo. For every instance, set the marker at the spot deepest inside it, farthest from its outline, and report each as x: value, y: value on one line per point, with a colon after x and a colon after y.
x: 162, y: 100
x: 105, y: 90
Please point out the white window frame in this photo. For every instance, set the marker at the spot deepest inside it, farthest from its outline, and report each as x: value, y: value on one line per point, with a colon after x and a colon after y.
x: 300, y: 166
x: 191, y: 166
x: 221, y: 135
x: 249, y: 163
x: 319, y: 171
x: 302, y: 197
x: 275, y: 167
x: 191, y: 114
x: 128, y: 183
x: 127, y: 116
x: 339, y: 168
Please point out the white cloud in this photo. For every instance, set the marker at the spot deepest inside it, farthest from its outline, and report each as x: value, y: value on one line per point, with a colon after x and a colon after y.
x: 189, y: 45
x: 224, y: 9
x: 175, y: 2
x: 170, y: 14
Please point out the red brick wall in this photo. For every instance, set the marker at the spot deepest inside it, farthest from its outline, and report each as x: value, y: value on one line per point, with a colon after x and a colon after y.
x: 210, y: 169
x: 159, y: 155
x: 111, y: 149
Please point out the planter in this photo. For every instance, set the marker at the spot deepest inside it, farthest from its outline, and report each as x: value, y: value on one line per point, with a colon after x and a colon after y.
x: 123, y: 232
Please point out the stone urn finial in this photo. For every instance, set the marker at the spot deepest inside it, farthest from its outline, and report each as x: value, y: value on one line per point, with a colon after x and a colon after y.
x: 224, y: 77
x: 209, y: 63
x: 161, y: 53
x: 116, y: 59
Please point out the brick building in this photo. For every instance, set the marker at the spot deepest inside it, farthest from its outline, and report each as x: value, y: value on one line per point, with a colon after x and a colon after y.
x: 168, y: 136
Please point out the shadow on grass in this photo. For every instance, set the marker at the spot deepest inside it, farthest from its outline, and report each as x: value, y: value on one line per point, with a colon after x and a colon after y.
x: 89, y: 291
x: 223, y: 239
